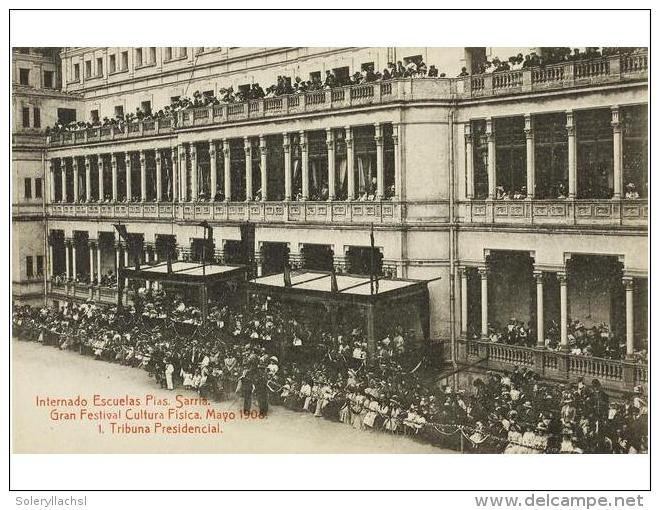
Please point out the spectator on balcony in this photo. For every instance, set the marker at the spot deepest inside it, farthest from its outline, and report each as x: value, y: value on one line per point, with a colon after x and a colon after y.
x: 631, y: 192
x: 330, y: 80
x: 464, y: 72
x: 433, y: 72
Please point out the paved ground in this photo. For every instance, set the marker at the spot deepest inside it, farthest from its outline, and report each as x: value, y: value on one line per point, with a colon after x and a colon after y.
x: 46, y: 371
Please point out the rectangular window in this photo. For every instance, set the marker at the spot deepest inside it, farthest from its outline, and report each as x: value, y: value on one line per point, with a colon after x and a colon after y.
x: 145, y: 106
x: 37, y: 117
x: 510, y: 155
x: 88, y: 69
x: 342, y: 75
x: 26, y: 117
x: 138, y: 57
x: 112, y: 64
x: 48, y: 79
x: 174, y: 99
x: 119, y: 111
x: 168, y: 53
x: 29, y: 268
x: 38, y: 183
x: 76, y: 72
x: 635, y: 151
x: 124, y: 60
x: 27, y: 182
x: 183, y: 52
x: 24, y: 76
x: 40, y: 265
x: 367, y: 66
x: 551, y: 155
x: 595, y: 153
x: 99, y: 67
x: 415, y: 58
x: 152, y: 55
x: 66, y: 115
x: 315, y: 76
x: 94, y: 114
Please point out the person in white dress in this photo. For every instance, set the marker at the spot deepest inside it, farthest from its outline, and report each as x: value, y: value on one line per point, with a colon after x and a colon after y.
x: 169, y: 370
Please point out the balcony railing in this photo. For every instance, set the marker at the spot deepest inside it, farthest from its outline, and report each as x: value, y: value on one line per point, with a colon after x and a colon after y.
x: 270, y: 212
x: 556, y: 212
x: 83, y: 292
x: 613, y: 374
x: 612, y: 69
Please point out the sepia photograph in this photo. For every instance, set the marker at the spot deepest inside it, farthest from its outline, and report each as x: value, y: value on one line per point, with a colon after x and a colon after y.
x: 438, y: 250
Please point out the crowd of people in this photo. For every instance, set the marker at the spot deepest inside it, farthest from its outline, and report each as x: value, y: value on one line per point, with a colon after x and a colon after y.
x: 597, y: 340
x: 263, y: 351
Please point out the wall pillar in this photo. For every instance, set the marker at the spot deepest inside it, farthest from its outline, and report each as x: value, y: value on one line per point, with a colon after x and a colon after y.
x: 305, y: 166
x: 91, y: 246
x: 101, y: 167
x: 183, y: 171
x: 330, y: 142
x: 492, y: 160
x: 194, y: 173
x: 51, y: 180
x: 63, y: 169
x: 572, y: 161
x: 159, y: 176
x: 531, y: 163
x: 630, y: 316
x: 76, y: 191
x: 350, y: 173
x: 286, y: 147
x: 263, y: 163
x: 397, y: 162
x: 563, y: 300
x: 99, y: 271
x: 540, y: 327
x: 247, y: 147
x: 128, y: 177
x: 174, y: 160
x: 617, y: 139
x: 74, y: 268
x: 226, y: 151
x: 214, y: 170
x: 113, y: 164
x: 50, y: 260
x: 380, y: 169
x: 67, y: 247
x: 483, y: 273
x: 143, y: 177
x: 88, y: 178
x: 464, y: 301
x: 469, y: 161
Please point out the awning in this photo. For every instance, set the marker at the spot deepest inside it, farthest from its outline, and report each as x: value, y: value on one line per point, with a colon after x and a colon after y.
x: 186, y: 272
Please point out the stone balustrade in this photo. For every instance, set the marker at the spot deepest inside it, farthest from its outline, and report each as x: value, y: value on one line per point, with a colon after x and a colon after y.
x: 555, y: 365
x: 556, y: 212
x: 617, y: 68
x: 355, y: 212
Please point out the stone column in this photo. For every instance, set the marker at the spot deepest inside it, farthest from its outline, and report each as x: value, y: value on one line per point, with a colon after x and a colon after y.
x: 99, y: 272
x: 50, y: 260
x: 286, y: 147
x: 304, y: 163
x: 563, y: 299
x: 51, y: 180
x: 531, y: 168
x: 174, y: 174
x: 630, y: 316
x: 397, y: 162
x: 126, y: 262
x: 91, y: 245
x: 469, y: 161
x: 350, y: 173
x: 332, y: 172
x: 214, y: 170
x: 113, y: 164
x: 159, y: 176
x: 194, y: 173
x: 247, y: 147
x: 67, y: 246
x: 464, y: 301
x: 183, y: 194
x: 492, y: 160
x: 540, y: 328
x: 572, y: 161
x: 617, y: 139
x: 88, y: 178
x: 483, y: 272
x: 101, y: 170
x: 128, y: 177
x: 226, y: 150
x: 74, y: 269
x: 143, y: 177
x: 263, y: 153
x: 380, y: 170
x: 76, y: 191
x: 63, y: 170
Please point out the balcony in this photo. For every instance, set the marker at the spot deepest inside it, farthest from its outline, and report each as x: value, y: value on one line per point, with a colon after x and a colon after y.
x: 614, y: 69
x: 84, y: 292
x: 613, y: 374
x: 264, y: 212
x: 556, y: 212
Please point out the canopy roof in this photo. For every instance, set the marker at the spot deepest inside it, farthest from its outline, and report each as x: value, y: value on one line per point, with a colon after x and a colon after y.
x: 352, y: 288
x: 185, y: 272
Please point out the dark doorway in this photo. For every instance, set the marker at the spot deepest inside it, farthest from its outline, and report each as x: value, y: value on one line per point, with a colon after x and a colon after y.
x: 359, y: 260
x: 274, y: 256
x: 318, y: 257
